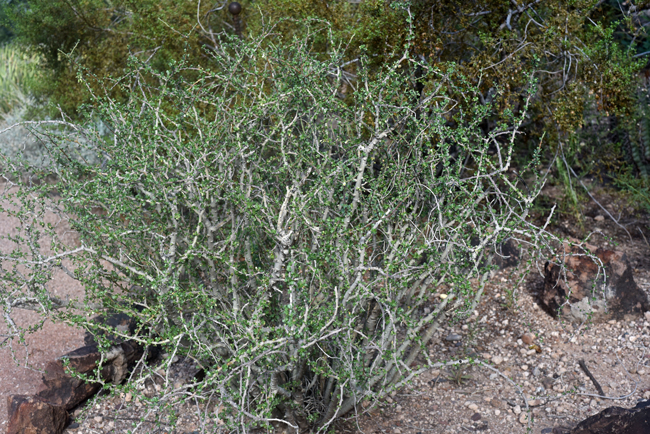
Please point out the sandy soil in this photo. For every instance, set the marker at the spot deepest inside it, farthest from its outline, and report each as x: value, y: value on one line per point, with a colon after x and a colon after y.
x: 21, y: 364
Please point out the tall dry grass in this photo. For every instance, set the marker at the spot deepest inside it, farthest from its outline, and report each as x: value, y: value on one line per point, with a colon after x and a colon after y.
x: 18, y: 69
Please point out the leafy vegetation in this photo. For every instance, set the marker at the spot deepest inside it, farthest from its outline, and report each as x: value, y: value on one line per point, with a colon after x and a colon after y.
x: 287, y: 236
x: 283, y: 207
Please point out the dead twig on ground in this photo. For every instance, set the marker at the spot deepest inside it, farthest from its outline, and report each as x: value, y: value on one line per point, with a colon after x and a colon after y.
x: 584, y: 368
x: 614, y: 398
x: 601, y: 207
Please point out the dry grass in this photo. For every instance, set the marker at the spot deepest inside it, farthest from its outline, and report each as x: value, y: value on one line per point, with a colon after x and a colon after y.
x: 18, y: 68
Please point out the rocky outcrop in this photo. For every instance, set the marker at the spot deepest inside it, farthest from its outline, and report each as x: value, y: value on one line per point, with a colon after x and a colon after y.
x: 28, y: 414
x: 47, y: 411
x: 583, y: 293
x: 617, y: 420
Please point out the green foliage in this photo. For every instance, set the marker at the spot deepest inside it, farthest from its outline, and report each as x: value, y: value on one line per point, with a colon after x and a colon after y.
x: 100, y: 37
x: 637, y: 189
x: 639, y: 144
x: 492, y: 43
x: 288, y: 237
x: 5, y: 27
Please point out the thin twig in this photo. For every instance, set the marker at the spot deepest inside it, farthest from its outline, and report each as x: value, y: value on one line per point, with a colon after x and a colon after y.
x: 615, y: 398
x: 583, y: 366
x: 601, y: 207
x: 521, y: 392
x: 643, y: 235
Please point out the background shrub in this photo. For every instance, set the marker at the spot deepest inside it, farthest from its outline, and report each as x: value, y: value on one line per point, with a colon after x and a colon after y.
x: 586, y: 55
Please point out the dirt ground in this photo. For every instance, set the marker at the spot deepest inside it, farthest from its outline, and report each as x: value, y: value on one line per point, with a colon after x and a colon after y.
x: 489, y: 397
x: 511, y: 388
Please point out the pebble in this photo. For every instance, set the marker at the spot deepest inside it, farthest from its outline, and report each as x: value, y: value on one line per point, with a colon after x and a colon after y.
x: 497, y: 412
x: 473, y: 407
x: 128, y: 397
x: 452, y: 337
x: 528, y: 338
x: 98, y: 419
x: 517, y: 409
x: 647, y: 315
x: 497, y: 403
x: 524, y: 367
x: 523, y: 419
x: 497, y: 360
x: 476, y: 416
x: 599, y: 218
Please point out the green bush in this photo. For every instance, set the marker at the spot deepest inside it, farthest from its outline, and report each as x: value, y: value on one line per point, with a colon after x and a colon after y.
x: 289, y: 240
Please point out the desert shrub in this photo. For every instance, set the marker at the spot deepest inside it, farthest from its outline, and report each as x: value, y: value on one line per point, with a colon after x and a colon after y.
x: 100, y: 36
x: 575, y: 48
x: 289, y: 239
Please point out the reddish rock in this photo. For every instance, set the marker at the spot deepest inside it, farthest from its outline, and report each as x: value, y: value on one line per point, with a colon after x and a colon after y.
x: 528, y: 338
x: 62, y: 390
x: 46, y: 412
x: 584, y: 294
x: 617, y: 420
x: 29, y: 415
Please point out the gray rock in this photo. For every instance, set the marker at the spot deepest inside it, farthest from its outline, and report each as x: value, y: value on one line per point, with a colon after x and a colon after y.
x: 20, y: 142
